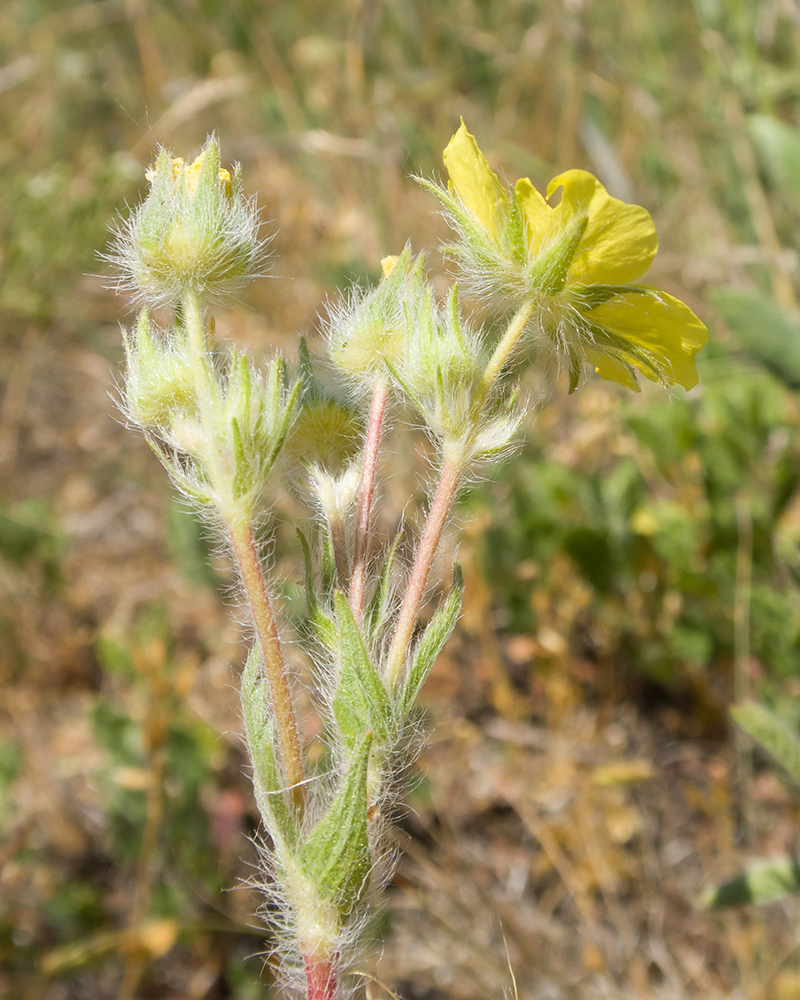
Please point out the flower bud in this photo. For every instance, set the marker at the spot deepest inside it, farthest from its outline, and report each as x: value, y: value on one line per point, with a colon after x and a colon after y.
x: 160, y: 382
x: 195, y: 232
x: 371, y: 330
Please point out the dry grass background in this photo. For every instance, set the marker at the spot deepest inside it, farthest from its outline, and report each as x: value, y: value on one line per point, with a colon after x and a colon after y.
x: 569, y: 816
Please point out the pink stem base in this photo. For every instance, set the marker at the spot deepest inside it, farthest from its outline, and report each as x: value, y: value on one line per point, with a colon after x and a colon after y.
x: 320, y: 978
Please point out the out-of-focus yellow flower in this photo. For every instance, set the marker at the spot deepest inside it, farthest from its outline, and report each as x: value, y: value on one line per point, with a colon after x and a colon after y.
x: 574, y: 262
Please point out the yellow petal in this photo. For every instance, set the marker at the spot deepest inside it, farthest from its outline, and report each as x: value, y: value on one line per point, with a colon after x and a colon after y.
x: 620, y: 239
x: 538, y: 215
x: 475, y: 184
x: 612, y: 369
x: 658, y: 324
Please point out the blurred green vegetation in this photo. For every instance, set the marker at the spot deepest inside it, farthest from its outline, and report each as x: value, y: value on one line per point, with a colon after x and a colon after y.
x: 658, y: 536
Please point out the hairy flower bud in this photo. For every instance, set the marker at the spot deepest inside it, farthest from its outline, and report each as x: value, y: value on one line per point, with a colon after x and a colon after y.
x: 370, y: 330
x: 195, y: 232
x: 159, y: 384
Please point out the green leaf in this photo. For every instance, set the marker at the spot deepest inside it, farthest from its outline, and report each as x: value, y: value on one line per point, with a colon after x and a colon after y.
x: 762, y: 882
x: 432, y: 641
x: 268, y: 783
x: 361, y: 702
x: 769, y: 334
x: 336, y: 855
x: 771, y: 734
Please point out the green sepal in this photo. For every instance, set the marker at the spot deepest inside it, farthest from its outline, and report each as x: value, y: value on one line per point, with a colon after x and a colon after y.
x: 361, y: 703
x: 328, y: 568
x: 241, y: 475
x: 762, y: 882
x: 393, y: 371
x: 432, y: 642
x: 284, y: 408
x: 549, y: 271
x: 312, y: 605
x: 268, y: 782
x: 575, y: 371
x: 588, y: 297
x: 772, y: 735
x: 455, y: 319
x: 514, y: 237
x: 335, y: 855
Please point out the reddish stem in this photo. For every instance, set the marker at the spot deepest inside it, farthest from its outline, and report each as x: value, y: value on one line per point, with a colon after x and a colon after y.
x: 366, y: 490
x: 244, y: 547
x: 320, y: 978
x: 449, y: 480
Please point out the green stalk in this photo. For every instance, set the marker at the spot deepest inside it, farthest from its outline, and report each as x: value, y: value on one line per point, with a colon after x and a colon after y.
x: 505, y: 347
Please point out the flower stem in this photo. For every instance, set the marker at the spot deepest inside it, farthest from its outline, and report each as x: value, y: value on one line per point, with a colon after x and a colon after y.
x: 366, y: 490
x: 320, y: 978
x: 240, y: 531
x: 201, y: 358
x: 246, y: 553
x: 505, y: 347
x: 449, y: 480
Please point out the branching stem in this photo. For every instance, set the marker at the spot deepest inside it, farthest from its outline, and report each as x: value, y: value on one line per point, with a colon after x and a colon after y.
x: 366, y: 490
x: 446, y: 491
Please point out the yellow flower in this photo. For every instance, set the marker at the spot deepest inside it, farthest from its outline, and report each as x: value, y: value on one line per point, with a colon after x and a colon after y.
x: 574, y: 263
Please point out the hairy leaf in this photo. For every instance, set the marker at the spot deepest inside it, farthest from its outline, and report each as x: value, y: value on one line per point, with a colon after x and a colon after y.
x: 268, y: 782
x: 336, y: 855
x: 432, y: 641
x: 361, y: 702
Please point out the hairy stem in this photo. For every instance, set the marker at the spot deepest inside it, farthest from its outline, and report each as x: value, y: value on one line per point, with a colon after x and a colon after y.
x: 449, y: 480
x: 201, y: 356
x: 246, y: 553
x: 505, y: 347
x: 365, y: 493
x: 240, y: 531
x: 320, y: 978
